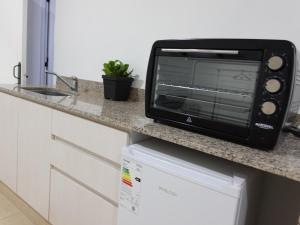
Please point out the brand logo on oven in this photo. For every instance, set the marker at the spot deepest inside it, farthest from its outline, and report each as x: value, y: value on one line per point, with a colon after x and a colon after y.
x: 189, y: 120
x: 264, y: 126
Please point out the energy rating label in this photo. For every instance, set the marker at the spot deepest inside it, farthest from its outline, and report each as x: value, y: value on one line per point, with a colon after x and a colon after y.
x: 131, y: 182
x: 126, y: 178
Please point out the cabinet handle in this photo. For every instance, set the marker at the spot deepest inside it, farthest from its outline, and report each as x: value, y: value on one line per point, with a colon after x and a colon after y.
x: 74, y: 146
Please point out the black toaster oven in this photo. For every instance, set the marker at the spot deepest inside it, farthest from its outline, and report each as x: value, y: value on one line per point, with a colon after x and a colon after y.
x: 243, y: 90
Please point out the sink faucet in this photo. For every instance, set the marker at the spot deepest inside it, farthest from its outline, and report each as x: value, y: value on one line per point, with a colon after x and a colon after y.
x: 73, y: 87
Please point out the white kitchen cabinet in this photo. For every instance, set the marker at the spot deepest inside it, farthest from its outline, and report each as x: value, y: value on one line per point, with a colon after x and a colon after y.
x: 73, y: 204
x: 35, y: 138
x: 98, y: 139
x: 33, y: 155
x: 8, y: 141
x: 89, y: 169
x: 87, y: 156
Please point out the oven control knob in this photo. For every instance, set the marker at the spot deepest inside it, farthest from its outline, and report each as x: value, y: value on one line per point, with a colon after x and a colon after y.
x: 273, y: 86
x: 275, y: 63
x: 268, y: 108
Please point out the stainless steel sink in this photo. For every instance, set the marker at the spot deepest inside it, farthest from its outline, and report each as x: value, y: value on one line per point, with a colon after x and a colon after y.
x: 46, y: 91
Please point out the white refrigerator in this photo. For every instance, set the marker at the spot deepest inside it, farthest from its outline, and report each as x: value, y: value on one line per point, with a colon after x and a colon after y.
x: 165, y: 184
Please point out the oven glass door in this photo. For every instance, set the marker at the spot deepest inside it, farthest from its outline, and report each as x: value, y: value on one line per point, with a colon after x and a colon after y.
x: 214, y: 87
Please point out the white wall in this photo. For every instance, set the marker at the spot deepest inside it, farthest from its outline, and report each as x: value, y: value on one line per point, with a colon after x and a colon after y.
x: 87, y: 33
x: 11, y: 15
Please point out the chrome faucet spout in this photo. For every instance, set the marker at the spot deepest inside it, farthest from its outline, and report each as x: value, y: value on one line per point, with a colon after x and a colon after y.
x: 73, y: 87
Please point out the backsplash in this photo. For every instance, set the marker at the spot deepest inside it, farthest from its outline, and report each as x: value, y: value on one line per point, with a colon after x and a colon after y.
x: 81, y: 46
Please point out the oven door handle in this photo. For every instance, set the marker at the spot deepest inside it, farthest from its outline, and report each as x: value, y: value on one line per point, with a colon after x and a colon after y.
x: 205, y: 51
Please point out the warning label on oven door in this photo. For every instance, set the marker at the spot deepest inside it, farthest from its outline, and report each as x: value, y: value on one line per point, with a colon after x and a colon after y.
x: 131, y: 186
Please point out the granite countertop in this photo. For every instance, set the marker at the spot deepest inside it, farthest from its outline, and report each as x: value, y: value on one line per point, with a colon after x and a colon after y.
x: 129, y: 116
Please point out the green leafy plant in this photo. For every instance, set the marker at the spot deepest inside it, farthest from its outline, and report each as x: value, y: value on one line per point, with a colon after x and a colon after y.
x: 116, y: 68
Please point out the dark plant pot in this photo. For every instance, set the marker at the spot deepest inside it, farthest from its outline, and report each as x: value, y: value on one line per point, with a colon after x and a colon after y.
x: 117, y: 88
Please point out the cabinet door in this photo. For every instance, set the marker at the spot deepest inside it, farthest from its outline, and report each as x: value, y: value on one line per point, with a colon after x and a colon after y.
x: 33, y: 155
x: 8, y: 140
x: 73, y: 204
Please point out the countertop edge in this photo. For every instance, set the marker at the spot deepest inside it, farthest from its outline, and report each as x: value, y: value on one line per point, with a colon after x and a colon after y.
x: 110, y: 123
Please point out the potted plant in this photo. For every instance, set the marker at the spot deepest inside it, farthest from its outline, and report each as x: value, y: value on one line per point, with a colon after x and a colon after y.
x: 117, y: 80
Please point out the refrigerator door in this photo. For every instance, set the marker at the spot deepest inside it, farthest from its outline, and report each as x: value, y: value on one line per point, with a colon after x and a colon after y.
x: 171, y: 193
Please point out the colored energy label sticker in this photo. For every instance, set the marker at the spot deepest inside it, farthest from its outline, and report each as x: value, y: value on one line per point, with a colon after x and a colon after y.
x: 131, y: 186
x: 126, y: 179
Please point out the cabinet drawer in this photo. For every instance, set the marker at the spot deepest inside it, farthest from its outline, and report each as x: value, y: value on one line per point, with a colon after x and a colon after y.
x: 102, y: 140
x: 73, y: 204
x: 88, y: 169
